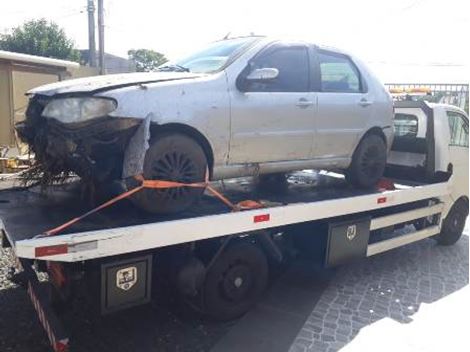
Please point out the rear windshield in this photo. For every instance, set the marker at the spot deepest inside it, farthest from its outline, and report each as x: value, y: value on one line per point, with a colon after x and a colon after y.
x: 406, y: 125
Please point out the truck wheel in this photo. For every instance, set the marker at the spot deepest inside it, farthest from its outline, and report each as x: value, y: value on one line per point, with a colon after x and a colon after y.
x: 235, y: 281
x: 172, y: 157
x: 368, y: 162
x: 453, y: 224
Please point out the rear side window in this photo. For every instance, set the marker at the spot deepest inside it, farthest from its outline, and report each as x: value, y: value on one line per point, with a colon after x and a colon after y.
x: 458, y: 125
x: 293, y: 66
x: 406, y: 125
x: 338, y: 74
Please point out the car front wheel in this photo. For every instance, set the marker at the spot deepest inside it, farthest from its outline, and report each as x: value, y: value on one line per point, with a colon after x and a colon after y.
x: 172, y: 157
x: 368, y: 162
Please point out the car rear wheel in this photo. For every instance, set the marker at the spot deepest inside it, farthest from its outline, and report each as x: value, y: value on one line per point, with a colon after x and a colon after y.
x: 368, y: 162
x: 172, y: 157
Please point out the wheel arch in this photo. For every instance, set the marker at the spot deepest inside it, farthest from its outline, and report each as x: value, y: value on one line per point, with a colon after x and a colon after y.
x: 371, y: 131
x: 190, y: 132
x: 375, y: 131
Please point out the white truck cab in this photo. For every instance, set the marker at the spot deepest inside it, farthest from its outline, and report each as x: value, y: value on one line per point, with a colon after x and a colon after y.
x: 431, y: 145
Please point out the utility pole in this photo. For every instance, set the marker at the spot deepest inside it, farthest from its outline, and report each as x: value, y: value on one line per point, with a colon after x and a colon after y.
x: 101, y: 36
x: 91, y: 33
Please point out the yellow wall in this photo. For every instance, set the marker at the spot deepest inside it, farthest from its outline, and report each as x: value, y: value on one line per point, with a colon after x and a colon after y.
x: 24, y: 81
x: 5, y: 106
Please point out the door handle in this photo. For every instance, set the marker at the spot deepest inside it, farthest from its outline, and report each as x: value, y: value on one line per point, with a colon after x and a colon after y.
x: 364, y: 102
x: 304, y: 103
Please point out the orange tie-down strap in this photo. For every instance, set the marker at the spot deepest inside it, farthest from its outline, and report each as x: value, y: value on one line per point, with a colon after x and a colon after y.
x: 158, y: 184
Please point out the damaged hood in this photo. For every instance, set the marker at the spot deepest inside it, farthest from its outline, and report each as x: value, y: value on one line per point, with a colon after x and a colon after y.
x: 107, y: 82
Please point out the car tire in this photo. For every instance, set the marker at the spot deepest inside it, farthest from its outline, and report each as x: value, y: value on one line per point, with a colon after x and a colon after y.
x: 454, y: 224
x: 235, y: 281
x: 368, y: 162
x: 172, y: 157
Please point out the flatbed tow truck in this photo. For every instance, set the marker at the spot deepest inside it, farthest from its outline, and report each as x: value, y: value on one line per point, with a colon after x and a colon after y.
x: 218, y: 260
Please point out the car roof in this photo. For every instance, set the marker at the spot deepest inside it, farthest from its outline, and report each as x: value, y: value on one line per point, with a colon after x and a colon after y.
x: 268, y: 39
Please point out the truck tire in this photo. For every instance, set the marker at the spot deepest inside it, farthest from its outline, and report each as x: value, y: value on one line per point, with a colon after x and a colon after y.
x: 453, y: 224
x: 235, y: 281
x: 172, y: 157
x: 368, y: 162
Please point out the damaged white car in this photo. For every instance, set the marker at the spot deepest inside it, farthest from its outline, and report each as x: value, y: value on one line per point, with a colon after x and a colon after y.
x: 240, y: 107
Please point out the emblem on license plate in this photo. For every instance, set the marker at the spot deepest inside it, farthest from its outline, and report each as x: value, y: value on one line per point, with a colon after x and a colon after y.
x: 351, y: 232
x: 126, y: 278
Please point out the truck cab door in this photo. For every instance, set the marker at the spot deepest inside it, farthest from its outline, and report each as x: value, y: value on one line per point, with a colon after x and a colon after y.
x: 273, y: 120
x: 458, y: 150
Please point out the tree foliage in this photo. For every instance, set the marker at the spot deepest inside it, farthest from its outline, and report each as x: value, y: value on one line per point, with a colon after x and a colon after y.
x: 146, y: 59
x: 40, y: 37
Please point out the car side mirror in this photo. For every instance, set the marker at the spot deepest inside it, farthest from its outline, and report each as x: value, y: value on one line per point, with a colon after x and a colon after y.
x: 262, y: 75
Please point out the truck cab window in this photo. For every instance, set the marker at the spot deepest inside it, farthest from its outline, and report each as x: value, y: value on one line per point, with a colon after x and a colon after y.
x: 458, y: 125
x: 292, y: 63
x: 338, y: 74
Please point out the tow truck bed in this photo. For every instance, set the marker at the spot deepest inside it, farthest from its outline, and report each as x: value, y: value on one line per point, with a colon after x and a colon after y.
x: 124, y: 229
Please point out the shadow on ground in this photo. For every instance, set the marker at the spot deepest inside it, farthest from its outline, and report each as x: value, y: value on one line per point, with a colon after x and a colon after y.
x: 391, y: 285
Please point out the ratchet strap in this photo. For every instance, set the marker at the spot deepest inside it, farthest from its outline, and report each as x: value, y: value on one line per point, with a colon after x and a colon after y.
x: 158, y: 184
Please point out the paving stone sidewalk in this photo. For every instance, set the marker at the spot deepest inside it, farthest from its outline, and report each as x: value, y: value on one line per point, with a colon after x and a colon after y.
x: 387, y: 290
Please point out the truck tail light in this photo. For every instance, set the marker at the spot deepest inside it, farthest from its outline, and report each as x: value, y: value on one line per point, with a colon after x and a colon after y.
x: 51, y: 250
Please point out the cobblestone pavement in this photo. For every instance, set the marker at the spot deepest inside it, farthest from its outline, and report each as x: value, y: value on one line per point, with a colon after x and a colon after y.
x: 392, y: 285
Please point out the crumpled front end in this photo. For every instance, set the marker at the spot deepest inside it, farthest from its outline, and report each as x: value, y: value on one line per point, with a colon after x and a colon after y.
x: 92, y: 149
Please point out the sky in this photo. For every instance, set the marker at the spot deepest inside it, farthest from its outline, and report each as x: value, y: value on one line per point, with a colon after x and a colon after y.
x: 402, y: 40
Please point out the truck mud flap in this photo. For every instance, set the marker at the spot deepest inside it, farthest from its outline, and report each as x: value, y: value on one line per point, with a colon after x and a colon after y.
x: 38, y: 293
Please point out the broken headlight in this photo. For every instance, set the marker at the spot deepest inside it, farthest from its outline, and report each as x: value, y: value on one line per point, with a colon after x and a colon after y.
x: 72, y: 110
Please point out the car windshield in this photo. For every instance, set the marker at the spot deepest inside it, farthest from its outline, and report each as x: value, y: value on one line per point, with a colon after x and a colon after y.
x: 212, y: 58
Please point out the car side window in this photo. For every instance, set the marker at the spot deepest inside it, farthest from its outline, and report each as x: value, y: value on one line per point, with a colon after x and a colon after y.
x: 292, y: 64
x: 338, y: 74
x: 458, y: 126
x: 405, y: 125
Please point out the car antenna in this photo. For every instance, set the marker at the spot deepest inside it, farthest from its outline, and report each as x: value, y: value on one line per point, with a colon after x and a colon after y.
x: 227, y: 36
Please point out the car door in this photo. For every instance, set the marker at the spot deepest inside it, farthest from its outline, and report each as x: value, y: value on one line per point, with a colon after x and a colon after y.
x: 458, y: 149
x: 344, y: 105
x: 274, y: 121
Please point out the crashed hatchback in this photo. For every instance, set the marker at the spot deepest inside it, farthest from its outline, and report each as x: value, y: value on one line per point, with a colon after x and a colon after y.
x: 240, y: 107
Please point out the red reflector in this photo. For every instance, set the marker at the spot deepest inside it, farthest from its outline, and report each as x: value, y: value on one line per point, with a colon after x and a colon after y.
x: 381, y: 200
x: 51, y: 250
x: 261, y: 218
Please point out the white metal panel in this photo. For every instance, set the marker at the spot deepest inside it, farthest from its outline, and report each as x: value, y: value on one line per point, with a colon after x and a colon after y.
x: 395, y: 242
x: 389, y: 220
x: 142, y: 237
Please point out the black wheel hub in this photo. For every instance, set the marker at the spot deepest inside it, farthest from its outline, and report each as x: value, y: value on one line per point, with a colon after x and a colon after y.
x: 175, y: 166
x: 457, y: 222
x: 236, y: 282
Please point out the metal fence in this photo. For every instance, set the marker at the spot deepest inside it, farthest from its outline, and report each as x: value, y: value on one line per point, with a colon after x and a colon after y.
x: 453, y: 94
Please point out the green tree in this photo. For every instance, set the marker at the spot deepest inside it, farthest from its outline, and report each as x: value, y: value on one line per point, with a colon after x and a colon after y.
x: 146, y: 59
x: 40, y: 37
